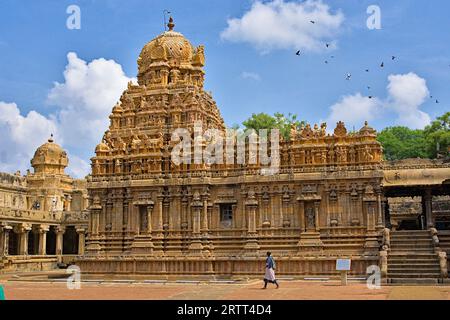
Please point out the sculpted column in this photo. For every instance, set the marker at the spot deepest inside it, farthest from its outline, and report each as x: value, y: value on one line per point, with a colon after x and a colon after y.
x: 159, y: 229
x: 43, y: 229
x: 372, y: 208
x: 195, y: 247
x: 59, y: 242
x: 23, y: 231
x: 4, y: 239
x: 81, y: 240
x: 251, y: 204
x: 427, y: 200
x: 93, y: 242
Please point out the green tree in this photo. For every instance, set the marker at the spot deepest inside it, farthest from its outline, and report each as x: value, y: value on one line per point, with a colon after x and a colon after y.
x: 402, y: 142
x: 277, y: 121
x: 437, y: 135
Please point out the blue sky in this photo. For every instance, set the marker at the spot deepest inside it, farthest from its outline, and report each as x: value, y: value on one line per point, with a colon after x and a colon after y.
x: 244, y: 76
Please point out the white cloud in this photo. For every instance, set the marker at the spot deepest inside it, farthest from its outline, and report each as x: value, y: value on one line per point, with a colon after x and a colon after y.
x: 78, y: 167
x: 84, y: 101
x: 82, y: 104
x: 405, y: 94
x: 250, y: 75
x: 21, y: 135
x: 285, y: 25
x: 355, y: 109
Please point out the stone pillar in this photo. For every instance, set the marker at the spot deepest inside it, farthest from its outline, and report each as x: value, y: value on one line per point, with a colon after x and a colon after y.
x: 23, y: 231
x: 316, y: 215
x: 251, y: 245
x: 197, y: 205
x: 81, y: 240
x: 301, y: 214
x: 4, y: 239
x: 43, y: 229
x: 204, y: 227
x: 379, y: 211
x: 59, y: 241
x: 159, y: 214
x: 427, y: 199
x: 149, y: 218
x: 196, y: 212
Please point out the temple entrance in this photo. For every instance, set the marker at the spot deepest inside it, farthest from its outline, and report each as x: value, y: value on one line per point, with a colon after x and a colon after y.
x: 417, y: 207
x: 51, y: 241
x: 13, y: 243
x: 70, y: 241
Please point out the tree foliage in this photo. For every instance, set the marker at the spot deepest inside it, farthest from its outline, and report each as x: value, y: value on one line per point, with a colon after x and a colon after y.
x: 431, y: 142
x: 277, y: 121
x: 402, y: 142
x: 438, y: 136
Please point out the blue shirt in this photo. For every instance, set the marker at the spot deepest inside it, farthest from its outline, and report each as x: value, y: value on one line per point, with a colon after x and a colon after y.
x: 270, y: 263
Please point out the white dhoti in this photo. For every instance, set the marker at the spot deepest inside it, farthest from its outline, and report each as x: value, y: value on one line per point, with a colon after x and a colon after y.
x: 270, y: 275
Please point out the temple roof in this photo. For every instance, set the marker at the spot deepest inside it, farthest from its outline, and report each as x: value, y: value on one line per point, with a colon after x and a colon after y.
x: 50, y: 158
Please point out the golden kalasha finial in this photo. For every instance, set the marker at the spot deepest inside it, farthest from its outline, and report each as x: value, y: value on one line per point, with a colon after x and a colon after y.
x: 171, y: 25
x: 51, y: 138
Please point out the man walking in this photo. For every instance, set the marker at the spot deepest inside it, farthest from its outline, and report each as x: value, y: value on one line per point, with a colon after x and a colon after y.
x: 270, y: 271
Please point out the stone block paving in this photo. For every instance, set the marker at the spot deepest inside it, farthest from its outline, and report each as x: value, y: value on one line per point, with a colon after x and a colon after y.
x: 292, y: 290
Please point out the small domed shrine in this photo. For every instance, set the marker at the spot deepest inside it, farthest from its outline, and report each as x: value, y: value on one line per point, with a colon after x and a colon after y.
x: 50, y: 158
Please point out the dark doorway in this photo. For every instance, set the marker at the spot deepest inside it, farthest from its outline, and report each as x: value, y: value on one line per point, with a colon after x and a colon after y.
x: 13, y: 243
x: 51, y: 242
x: 70, y: 241
x: 33, y: 242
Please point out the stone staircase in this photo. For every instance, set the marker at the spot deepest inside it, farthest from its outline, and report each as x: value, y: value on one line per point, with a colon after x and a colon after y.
x: 412, y: 259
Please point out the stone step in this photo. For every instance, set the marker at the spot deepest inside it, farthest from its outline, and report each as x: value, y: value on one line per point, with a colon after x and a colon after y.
x: 414, y: 269
x: 415, y: 275
x: 413, y: 232
x: 412, y: 246
x: 421, y: 264
x: 412, y: 238
x: 413, y: 281
x: 412, y: 254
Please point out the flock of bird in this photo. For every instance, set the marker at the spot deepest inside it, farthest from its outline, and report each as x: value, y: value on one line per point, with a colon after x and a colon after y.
x: 349, y: 75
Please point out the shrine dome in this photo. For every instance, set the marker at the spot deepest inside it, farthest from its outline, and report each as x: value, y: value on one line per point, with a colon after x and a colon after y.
x: 170, y: 49
x: 50, y: 158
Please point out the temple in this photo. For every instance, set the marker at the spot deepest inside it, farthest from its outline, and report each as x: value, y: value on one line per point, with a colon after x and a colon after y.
x: 332, y: 197
x: 43, y: 216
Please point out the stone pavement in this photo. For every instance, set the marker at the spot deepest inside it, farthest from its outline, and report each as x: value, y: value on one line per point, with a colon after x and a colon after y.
x: 292, y: 290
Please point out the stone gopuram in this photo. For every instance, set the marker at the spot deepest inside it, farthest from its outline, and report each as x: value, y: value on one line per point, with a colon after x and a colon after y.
x: 151, y: 216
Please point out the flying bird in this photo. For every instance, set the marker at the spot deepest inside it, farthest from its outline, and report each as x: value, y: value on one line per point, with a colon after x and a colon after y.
x: 298, y: 52
x: 437, y: 101
x: 312, y: 21
x: 393, y: 57
x: 382, y: 65
x: 327, y: 45
x: 370, y: 97
x: 367, y: 70
x: 348, y: 76
x: 326, y: 61
x: 368, y: 87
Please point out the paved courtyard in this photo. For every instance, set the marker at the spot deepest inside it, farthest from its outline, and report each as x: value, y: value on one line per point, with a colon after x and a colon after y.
x: 291, y: 290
